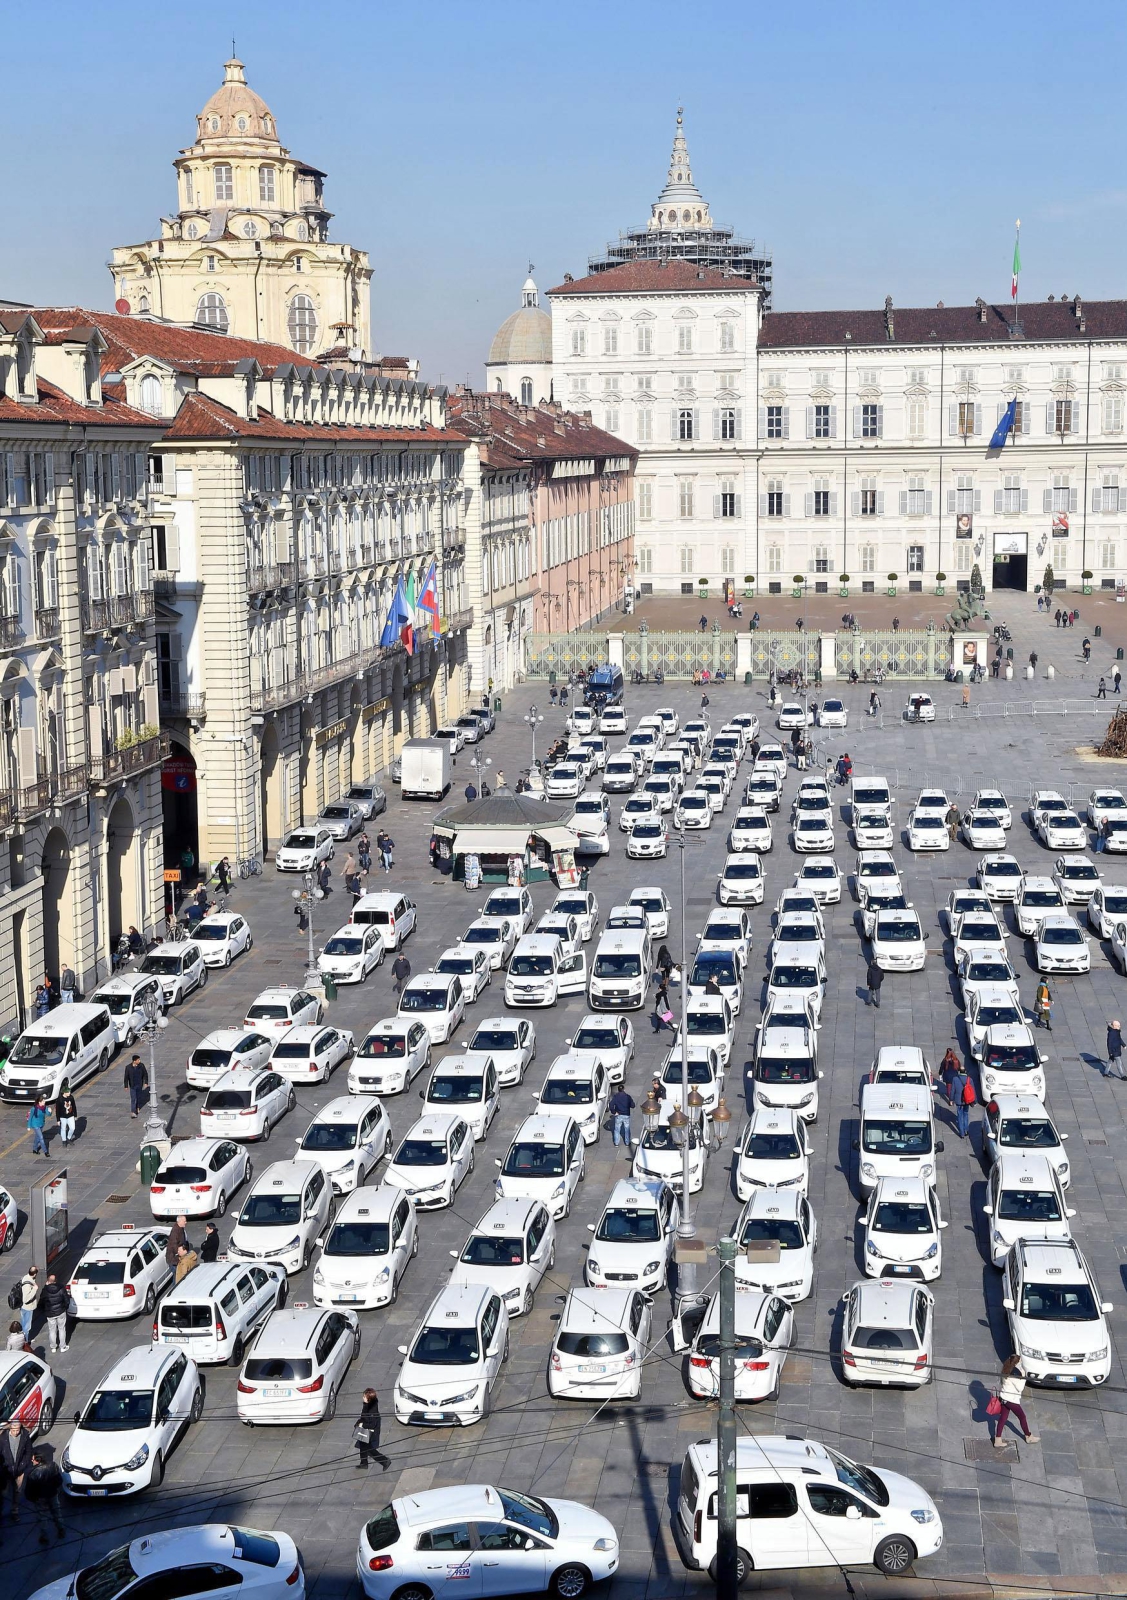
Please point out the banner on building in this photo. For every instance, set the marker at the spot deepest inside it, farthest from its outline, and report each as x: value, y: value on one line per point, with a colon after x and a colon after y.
x: 1060, y: 525
x: 964, y: 525
x: 1011, y: 544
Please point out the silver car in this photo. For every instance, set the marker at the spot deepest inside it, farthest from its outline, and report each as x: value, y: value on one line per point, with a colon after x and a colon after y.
x: 370, y: 798
x: 342, y: 819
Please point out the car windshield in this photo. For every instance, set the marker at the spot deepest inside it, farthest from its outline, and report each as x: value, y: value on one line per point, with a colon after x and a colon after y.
x: 567, y: 1092
x: 1052, y: 935
x: 863, y: 1479
x: 483, y: 936
x: 1066, y: 822
x: 585, y: 808
x: 393, y: 1045
x: 1028, y: 1205
x: 707, y: 1022
x: 1028, y: 1133
x: 927, y: 821
x: 884, y: 1338
x: 647, y: 830
x: 991, y: 802
x: 1041, y: 897
x: 495, y: 1039
x: 100, y: 1272
x: 980, y: 930
x: 167, y: 965
x: 270, y: 1210
x: 783, y: 1231
x: 771, y: 1147
x: 1081, y: 871
x: 34, y: 1050
x: 819, y: 870
x: 277, y: 1369
x: 878, y: 869
x: 533, y: 1159
x: 1059, y: 1302
x: 869, y: 795
x: 793, y: 933
x: 699, y: 1071
x: 358, y: 1239
x: 446, y: 1347
x: 295, y: 1050
x: 742, y: 869
x: 1109, y: 802
x: 118, y: 1410
x: 107, y: 1577
x: 502, y: 905
x: 1012, y: 1057
x: 663, y: 1138
x: 596, y: 1039
x: 716, y: 964
x: 422, y: 1153
x: 784, y: 1069
x: 344, y: 945
x: 529, y: 966
x: 997, y: 1016
x: 592, y: 1344
x: 489, y: 1250
x: 462, y: 965
x: 571, y: 907
x: 1002, y: 869
x: 902, y: 1216
x: 214, y: 931
x: 1115, y: 902
x: 989, y: 972
x: 330, y: 1136
x: 791, y: 977
x: 612, y: 966
x: 360, y: 791
x: 300, y: 841
x: 695, y: 802
x: 263, y: 1011
x: 629, y: 1226
x: 423, y: 999
x: 896, y: 1136
x: 456, y: 1091
x: 118, y: 1004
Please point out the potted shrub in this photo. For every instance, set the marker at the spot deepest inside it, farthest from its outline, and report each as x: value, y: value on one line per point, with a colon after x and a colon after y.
x: 940, y: 580
x: 1048, y: 582
x: 892, y: 581
x: 843, y: 585
x: 1086, y: 576
x: 749, y: 586
x: 799, y: 581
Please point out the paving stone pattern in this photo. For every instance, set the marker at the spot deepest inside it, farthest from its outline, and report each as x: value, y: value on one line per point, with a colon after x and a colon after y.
x: 1057, y: 1508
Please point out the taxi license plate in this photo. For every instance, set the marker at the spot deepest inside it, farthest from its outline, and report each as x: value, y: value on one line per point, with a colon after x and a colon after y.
x: 592, y: 1366
x: 1067, y: 1377
x: 96, y: 1294
x: 176, y: 1338
x: 277, y: 1394
x: 97, y: 1491
x: 436, y: 1414
x: 900, y: 1269
x: 348, y: 1297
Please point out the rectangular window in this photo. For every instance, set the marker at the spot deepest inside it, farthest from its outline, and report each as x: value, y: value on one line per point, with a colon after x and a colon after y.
x: 821, y: 498
x: 1113, y: 413
x: 964, y: 493
x: 611, y: 383
x: 610, y: 419
x: 775, y: 497
x: 685, y: 380
x: 1015, y: 375
x: 819, y: 380
x: 645, y: 500
x: 775, y: 380
x: 685, y: 496
x: 686, y: 558
x: 1107, y: 554
x: 644, y: 340
x: 917, y: 418
x: 916, y: 498
x: 868, y: 378
x: 962, y: 558
x: 686, y: 423
x: 727, y: 380
x: 1060, y: 556
x: 966, y: 418
x: 645, y: 382
x: 1011, y: 495
x: 727, y: 497
x: 821, y: 559
x: 224, y: 182
x: 774, y: 558
x: 645, y: 421
x: 822, y: 422
x: 775, y: 422
x: 868, y: 506
x: 1064, y: 416
x: 917, y: 377
x: 684, y: 341
x: 868, y: 558
x: 915, y: 558
x: 645, y: 558
x: 579, y: 341
x: 727, y: 336
x: 266, y: 185
x: 965, y: 376
x: 870, y: 421
x: 729, y: 428
x: 1107, y: 496
x: 610, y: 341
x: 727, y: 559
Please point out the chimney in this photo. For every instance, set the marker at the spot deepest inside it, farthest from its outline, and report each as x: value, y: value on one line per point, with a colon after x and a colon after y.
x: 889, y: 320
x: 568, y: 278
x: 1077, y: 310
x: 980, y: 307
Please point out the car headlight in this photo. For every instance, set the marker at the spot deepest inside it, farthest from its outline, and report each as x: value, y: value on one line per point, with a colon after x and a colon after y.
x: 467, y: 1394
x: 931, y: 1252
x: 1034, y: 1355
x: 294, y: 1244
x: 925, y: 1515
x: 559, y: 1191
x: 997, y: 1237
x: 318, y: 1275
x: 927, y: 1170
x: 138, y: 1460
x: 1098, y: 1355
x: 347, y: 1167
x: 651, y: 1266
x: 606, y: 1544
x: 868, y: 1170
x: 871, y: 1249
x: 805, y: 1101
x: 66, y: 1459
x: 1062, y: 1169
x: 593, y: 1265
x: 498, y: 1188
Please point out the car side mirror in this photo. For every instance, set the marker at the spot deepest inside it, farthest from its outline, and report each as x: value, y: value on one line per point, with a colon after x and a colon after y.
x: 821, y: 1074
x: 402, y: 1348
x: 496, y: 1162
x: 939, y: 1147
x: 853, y: 1513
x: 856, y: 1144
x: 943, y: 1224
x: 988, y: 1211
x: 77, y: 1418
x: 1064, y: 1135
x: 590, y: 1227
x: 1106, y: 1305
x: 1007, y: 1305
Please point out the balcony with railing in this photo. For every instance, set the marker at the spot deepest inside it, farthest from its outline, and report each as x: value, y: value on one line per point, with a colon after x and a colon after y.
x: 177, y: 702
x: 129, y: 759
x: 48, y: 624
x: 459, y: 620
x: 7, y: 808
x: 271, y: 697
x: 277, y: 575
x: 117, y: 611
x: 11, y: 634
x: 31, y: 798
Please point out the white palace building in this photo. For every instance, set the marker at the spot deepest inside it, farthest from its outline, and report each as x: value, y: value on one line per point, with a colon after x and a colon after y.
x: 843, y: 444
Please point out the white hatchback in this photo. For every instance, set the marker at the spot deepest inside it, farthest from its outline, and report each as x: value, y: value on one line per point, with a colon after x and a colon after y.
x: 580, y: 1088
x: 496, y: 936
x: 927, y: 830
x: 246, y: 1103
x: 468, y: 1087
x: 764, y: 1330
x: 1058, y: 1320
x: 297, y: 1367
x: 886, y: 1335
x: 741, y: 880
x: 351, y: 953
x: 218, y: 1052
x: 647, y: 840
x: 1024, y: 1200
x: 898, y: 941
x: 580, y: 904
x: 773, y: 1153
x: 283, y: 1215
x: 1000, y: 876
x: 633, y: 1239
x: 197, y: 1178
x: 366, y: 1250
x: 394, y: 1052
x: 276, y: 1010
x: 309, y: 1054
x: 120, y: 1274
x: 454, y: 1360
x: 544, y: 1162
x: 1061, y: 945
x: 470, y: 965
x: 136, y: 1417
x: 437, y: 1000
x: 349, y: 1137
x: 1107, y: 907
x: 221, y: 937
x: 510, y: 1044
x: 509, y: 1250
x: 178, y: 967
x: 124, y: 998
x: 432, y: 1160
x: 606, y: 1038
x: 600, y: 1344
x: 902, y: 1230
x: 822, y: 875
x: 304, y: 850
x: 778, y: 1236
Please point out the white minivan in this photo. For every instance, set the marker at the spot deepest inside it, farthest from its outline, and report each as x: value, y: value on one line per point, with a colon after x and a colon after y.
x: 393, y: 914
x: 68, y: 1045
x: 897, y: 1134
x: 544, y: 1162
x: 620, y: 971
x: 215, y: 1310
x: 124, y: 998
x: 541, y: 970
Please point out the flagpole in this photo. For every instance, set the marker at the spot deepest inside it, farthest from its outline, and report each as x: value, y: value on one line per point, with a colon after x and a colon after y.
x: 1017, y: 272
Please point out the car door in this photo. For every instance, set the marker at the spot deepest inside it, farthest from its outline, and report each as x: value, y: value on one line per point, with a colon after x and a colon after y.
x: 445, y: 1556
x: 571, y: 977
x: 274, y: 1092
x: 418, y: 1049
x: 492, y: 1095
x: 527, y: 1044
x: 367, y: 1144
x: 402, y: 1238
x: 575, y: 1149
x: 461, y: 1148
x: 265, y: 1294
x: 153, y: 1269
x: 539, y: 1245
x: 22, y: 1393
x: 315, y: 1209
x: 840, y: 1527
x: 493, y: 1339
x: 174, y: 1402
x: 226, y: 1168
x: 512, y: 1560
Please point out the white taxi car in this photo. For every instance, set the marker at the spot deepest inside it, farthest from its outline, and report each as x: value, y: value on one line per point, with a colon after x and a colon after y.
x: 276, y: 1010
x: 762, y: 791
x: 773, y: 1153
x: 197, y: 1178
x: 639, y: 808
x: 822, y: 875
x: 979, y: 930
x: 1061, y: 945
x: 764, y: 1330
x: 304, y: 850
x: 132, y: 1422
x: 349, y: 1137
x: 960, y: 900
x: 886, y: 1335
x: 1039, y: 898
x: 903, y: 1230
x: 120, y: 1274
x: 509, y: 1250
x: 1056, y: 1315
x: 124, y: 998
x: 1000, y: 876
x: 607, y: 1038
x: 222, y: 936
x: 658, y: 1154
x: 497, y: 937
x: 544, y: 1162
x: 246, y: 1103
x: 693, y: 810
x: 741, y: 879
x: 979, y: 971
x: 590, y: 822
x: 392, y: 1055
x: 453, y: 1361
x: 727, y: 930
x: 309, y: 1054
x: 750, y: 830
x: 927, y: 830
x: 778, y: 1235
x: 873, y: 830
x: 283, y: 1215
x: 793, y: 715
x: 263, y: 1566
x: 565, y: 781
x: 1024, y: 1200
x: 513, y: 905
x: 600, y: 1343
x: 1016, y: 1122
x: 647, y: 840
x: 580, y: 904
x: 709, y: 1021
x: 994, y: 801
x: 352, y: 953
x: 813, y: 835
x: 580, y: 1088
x: 633, y: 1238
x: 218, y: 1052
x: 178, y: 967
x: 508, y: 1043
x: 804, y: 981
x: 437, y: 1000
x: 898, y: 941
x: 1106, y: 907
x: 1077, y: 878
x: 1011, y: 1062
x: 366, y: 1250
x: 1061, y: 830
x: 832, y: 714
x: 1106, y: 803
x: 982, y: 830
x: 468, y: 1087
x: 432, y: 1159
x: 471, y: 966
x: 297, y: 1367
x: 798, y: 935
x: 565, y: 928
x: 705, y: 1074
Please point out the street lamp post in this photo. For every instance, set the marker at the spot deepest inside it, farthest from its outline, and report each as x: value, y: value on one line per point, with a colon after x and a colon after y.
x: 155, y: 1019
x: 534, y: 718
x: 478, y: 763
x: 308, y: 894
x: 686, y: 1233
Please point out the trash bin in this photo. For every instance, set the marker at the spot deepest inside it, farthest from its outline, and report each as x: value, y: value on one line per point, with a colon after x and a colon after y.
x: 150, y: 1163
x: 497, y: 705
x: 747, y: 679
x: 1119, y: 652
x: 330, y: 988
x: 1009, y: 652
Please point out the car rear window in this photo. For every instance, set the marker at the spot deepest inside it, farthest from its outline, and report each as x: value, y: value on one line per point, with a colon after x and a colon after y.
x: 260, y: 1548
x: 181, y: 1175
x: 592, y: 1344
x: 185, y: 1318
x: 277, y: 1369
x: 101, y: 1272
x: 216, y: 1059
x: 383, y: 1530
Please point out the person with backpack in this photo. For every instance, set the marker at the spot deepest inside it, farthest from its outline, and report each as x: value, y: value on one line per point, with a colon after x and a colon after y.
x: 28, y: 1289
x: 37, y: 1121
x: 963, y: 1096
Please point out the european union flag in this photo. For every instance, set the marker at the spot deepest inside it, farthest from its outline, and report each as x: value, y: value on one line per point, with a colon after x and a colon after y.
x: 1005, y: 424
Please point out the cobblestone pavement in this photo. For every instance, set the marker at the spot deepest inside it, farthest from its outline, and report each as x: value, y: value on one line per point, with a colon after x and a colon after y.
x: 1056, y: 1509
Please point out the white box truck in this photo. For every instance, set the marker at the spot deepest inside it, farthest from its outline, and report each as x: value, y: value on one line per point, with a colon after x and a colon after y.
x: 427, y: 769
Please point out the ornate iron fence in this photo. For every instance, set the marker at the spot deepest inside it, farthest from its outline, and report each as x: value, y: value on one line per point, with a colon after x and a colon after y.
x: 783, y: 650
x: 680, y: 653
x: 562, y: 653
x: 903, y: 653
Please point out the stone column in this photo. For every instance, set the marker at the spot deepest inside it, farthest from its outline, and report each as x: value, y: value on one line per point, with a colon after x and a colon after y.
x: 827, y: 656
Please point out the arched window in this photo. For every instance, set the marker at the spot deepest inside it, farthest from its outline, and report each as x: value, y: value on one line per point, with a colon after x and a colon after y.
x: 143, y: 303
x: 302, y: 324
x: 189, y: 187
x: 224, y: 182
x: 499, y: 386
x: 266, y: 185
x: 211, y: 312
x: 526, y: 391
x: 151, y: 396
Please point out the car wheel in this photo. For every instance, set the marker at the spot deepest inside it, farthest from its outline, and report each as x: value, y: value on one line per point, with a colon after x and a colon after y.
x: 570, y: 1582
x: 413, y: 1591
x: 150, y: 1300
x: 267, y: 1130
x: 227, y: 959
x: 526, y: 1308
x: 331, y: 1406
x: 130, y: 1037
x: 203, y: 979
x: 103, y: 1061
x: 9, y: 1239
x: 248, y: 1172
x: 552, y: 1258
x: 471, y: 1165
x: 387, y: 1144
x: 505, y: 1352
x: 197, y: 1404
x: 46, y: 1417
x: 332, y: 851
x: 894, y: 1555
x: 305, y: 1254
x: 292, y: 1101
x: 415, y: 1245
x: 774, y: 1393
x: 280, y: 1297
x: 235, y: 1359
x: 567, y: 1206
x: 250, y: 942
x: 394, y: 1295
x: 157, y: 1476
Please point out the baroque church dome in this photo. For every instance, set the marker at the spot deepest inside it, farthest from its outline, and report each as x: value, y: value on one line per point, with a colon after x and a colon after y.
x: 524, y: 336
x: 235, y: 111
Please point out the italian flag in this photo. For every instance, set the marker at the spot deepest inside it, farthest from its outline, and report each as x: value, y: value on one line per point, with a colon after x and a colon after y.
x: 1017, y: 264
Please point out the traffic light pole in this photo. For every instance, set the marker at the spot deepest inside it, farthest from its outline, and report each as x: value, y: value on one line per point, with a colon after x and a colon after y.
x: 727, y: 1564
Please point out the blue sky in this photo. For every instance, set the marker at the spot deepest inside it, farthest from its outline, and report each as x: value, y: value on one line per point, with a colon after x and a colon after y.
x: 876, y: 148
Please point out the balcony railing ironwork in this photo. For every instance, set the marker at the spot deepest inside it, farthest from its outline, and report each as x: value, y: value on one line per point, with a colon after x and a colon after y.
x: 177, y: 702
x: 10, y: 631
x: 271, y: 697
x: 33, y: 797
x: 47, y: 623
x: 132, y: 759
x: 117, y: 611
x: 276, y: 575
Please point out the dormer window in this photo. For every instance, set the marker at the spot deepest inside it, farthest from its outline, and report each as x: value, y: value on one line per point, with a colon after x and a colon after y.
x: 150, y: 395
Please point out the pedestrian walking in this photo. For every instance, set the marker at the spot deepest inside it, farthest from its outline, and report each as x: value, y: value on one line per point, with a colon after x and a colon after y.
x: 15, y: 1462
x: 801, y: 752
x: 1043, y: 1006
x: 1101, y: 690
x: 704, y: 702
x: 136, y: 1080
x: 30, y: 1290
x: 949, y: 1067
x: 1010, y: 1392
x: 952, y: 820
x: 68, y: 986
x: 664, y: 961
x: 37, y: 1121
x: 186, y: 1259
x: 471, y: 792
x: 223, y: 876
x: 366, y: 1432
x: 621, y: 1105
x: 663, y: 1011
x: 1115, y: 1051
x: 209, y: 1248
x: 966, y: 697
x: 325, y: 879
x: 177, y: 1236
x: 55, y: 1301
x: 1033, y: 659
x: 874, y: 977
x: 963, y: 1095
x: 42, y: 1001
x: 1057, y: 616
x: 1086, y: 649
x: 1116, y: 680
x: 400, y: 971
x: 42, y: 1484
x: 364, y: 851
x: 704, y: 624
x: 385, y: 844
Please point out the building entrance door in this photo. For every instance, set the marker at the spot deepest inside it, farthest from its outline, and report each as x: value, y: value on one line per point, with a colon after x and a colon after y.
x: 1011, y: 572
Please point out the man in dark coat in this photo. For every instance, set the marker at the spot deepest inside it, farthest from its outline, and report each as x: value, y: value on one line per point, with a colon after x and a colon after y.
x: 366, y: 1431
x: 874, y: 977
x: 41, y: 1489
x: 15, y: 1460
x: 136, y: 1081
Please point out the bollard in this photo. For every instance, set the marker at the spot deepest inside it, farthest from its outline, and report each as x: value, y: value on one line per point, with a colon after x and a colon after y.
x: 1009, y: 671
x: 1098, y: 631
x: 1050, y: 672
x: 1029, y: 672
x: 747, y: 675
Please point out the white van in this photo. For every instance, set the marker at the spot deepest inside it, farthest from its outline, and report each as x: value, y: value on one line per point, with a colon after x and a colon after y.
x: 216, y: 1308
x: 68, y: 1045
x: 897, y: 1134
x: 124, y: 998
x: 801, y: 1504
x: 870, y: 794
x: 393, y: 914
x: 621, y: 969
x: 540, y: 971
x: 786, y: 1070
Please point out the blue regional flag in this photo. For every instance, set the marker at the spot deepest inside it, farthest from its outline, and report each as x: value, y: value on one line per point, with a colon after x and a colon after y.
x: 397, y: 618
x: 1005, y: 425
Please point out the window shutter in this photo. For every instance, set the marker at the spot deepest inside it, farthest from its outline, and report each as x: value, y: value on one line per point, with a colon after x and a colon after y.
x: 1025, y: 499
x: 952, y: 500
x: 977, y: 418
x: 978, y: 499
x: 762, y: 505
x: 786, y: 505
x: 141, y: 468
x: 953, y: 420
x: 1074, y: 417
x: 696, y: 423
x: 10, y: 473
x: 880, y: 502
x: 903, y: 502
x: 855, y: 505
x: 809, y: 505
x: 1024, y: 407
x: 716, y: 423
x: 880, y: 422
x: 833, y: 505
x: 1073, y: 499
x: 1050, y: 417
x: 786, y: 422
x: 809, y: 422
x: 49, y: 476
x: 1047, y: 503
x: 144, y: 565
x: 763, y: 422
x: 717, y: 505
x: 999, y: 500
x: 1097, y: 500
x: 833, y: 422
x: 929, y: 500
x: 115, y: 475
x: 1003, y: 406
x: 739, y: 422
x: 857, y: 423
x: 28, y: 759
x: 673, y: 424
x: 12, y: 584
x: 94, y: 570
